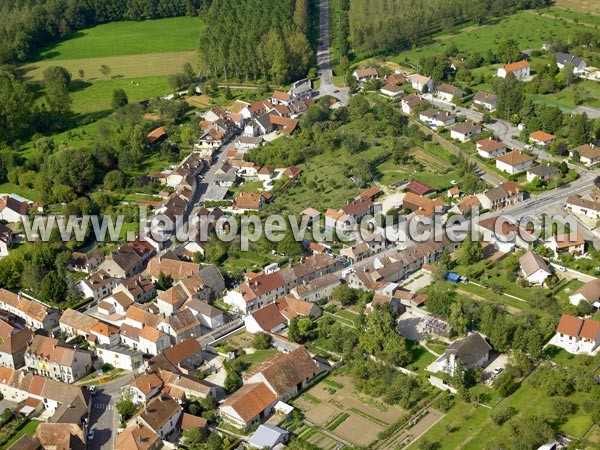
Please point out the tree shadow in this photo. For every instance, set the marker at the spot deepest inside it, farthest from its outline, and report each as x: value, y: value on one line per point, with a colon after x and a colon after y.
x: 79, y: 85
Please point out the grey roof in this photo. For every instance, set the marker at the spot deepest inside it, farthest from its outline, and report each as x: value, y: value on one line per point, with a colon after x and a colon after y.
x: 211, y: 277
x: 215, y: 193
x: 203, y: 308
x: 565, y: 58
x: 496, y: 194
x: 466, y: 128
x: 543, y: 170
x: 266, y: 436
x: 470, y: 349
x: 485, y: 97
x: 531, y: 262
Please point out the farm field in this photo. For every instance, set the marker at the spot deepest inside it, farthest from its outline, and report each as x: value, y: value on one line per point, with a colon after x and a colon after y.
x: 530, y: 30
x: 334, y: 405
x: 140, y: 55
x: 585, y: 6
x: 128, y: 38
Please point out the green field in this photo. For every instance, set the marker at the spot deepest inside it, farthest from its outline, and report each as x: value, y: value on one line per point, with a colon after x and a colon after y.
x: 530, y: 30
x: 128, y: 38
x: 575, y: 16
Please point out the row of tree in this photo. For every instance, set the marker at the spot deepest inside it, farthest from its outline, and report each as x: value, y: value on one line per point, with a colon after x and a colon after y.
x: 26, y: 26
x: 253, y: 39
x: 387, y: 25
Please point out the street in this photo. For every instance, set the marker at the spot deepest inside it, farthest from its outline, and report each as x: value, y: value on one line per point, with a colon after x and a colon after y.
x: 323, y: 59
x: 104, y: 418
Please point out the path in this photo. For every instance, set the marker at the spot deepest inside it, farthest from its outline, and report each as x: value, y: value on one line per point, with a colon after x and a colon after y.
x: 323, y: 59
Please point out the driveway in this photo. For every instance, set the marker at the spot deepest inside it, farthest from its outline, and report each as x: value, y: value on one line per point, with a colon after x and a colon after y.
x: 408, y: 326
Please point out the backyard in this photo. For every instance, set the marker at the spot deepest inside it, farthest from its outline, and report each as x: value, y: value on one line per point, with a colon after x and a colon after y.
x: 334, y: 405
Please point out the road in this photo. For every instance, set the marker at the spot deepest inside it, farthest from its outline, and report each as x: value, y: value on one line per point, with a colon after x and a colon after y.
x: 209, y: 176
x: 502, y: 129
x: 104, y: 418
x: 323, y: 59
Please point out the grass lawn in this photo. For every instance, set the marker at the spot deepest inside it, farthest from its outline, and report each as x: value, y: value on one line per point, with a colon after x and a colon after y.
x: 28, y: 428
x: 10, y: 188
x: 565, y: 98
x: 529, y: 30
x: 258, y: 357
x: 421, y: 358
x: 128, y: 38
x: 97, y: 96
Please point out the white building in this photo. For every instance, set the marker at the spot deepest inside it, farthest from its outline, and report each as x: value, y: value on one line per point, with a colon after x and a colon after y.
x: 520, y: 70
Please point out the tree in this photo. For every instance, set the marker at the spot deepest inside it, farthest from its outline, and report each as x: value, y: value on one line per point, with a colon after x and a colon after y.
x: 232, y: 381
x: 214, y: 442
x: 16, y: 104
x: 119, y: 98
x: 438, y: 302
x: 105, y: 70
x: 81, y: 73
x: 261, y: 341
x: 126, y: 408
x: 114, y: 180
x: 509, y: 51
x: 164, y: 282
x: 470, y: 251
x: 344, y: 294
x: 57, y: 81
x: 53, y: 287
x: 215, y: 252
x: 294, y: 334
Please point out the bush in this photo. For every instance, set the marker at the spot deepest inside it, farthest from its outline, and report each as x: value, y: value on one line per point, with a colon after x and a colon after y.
x: 106, y: 367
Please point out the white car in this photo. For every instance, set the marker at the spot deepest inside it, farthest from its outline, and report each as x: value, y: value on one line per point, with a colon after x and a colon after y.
x: 561, y: 268
x: 90, y: 435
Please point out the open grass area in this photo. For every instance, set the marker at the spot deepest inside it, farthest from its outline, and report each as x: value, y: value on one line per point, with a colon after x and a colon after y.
x: 128, y: 38
x: 421, y: 358
x: 28, y: 427
x: 585, y: 6
x: 258, y: 357
x: 530, y: 30
x: 565, y: 99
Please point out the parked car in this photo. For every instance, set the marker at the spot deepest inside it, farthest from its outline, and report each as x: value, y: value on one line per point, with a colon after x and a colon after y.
x: 93, y: 390
x: 90, y: 434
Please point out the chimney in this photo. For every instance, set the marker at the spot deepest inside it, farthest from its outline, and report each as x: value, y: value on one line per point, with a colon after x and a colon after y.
x: 139, y: 438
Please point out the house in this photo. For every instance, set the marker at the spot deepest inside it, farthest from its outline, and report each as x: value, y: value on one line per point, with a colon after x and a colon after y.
x: 137, y: 437
x: 577, y: 336
x: 410, y: 102
x: 485, y: 100
x: 285, y: 374
x: 250, y: 404
x: 490, y: 148
x: 268, y: 436
x: 225, y: 175
x: 358, y: 209
x: 46, y: 356
x: 507, y: 193
x: 174, y: 268
x: 589, y: 292
x: 75, y: 323
x: 437, y: 118
x: 419, y: 188
x: 249, y: 201
x: 520, y: 70
x: 463, y: 132
x: 54, y: 436
x: 382, y: 300
x: 392, y: 90
x: 245, y: 143
x: 541, y: 138
x: 544, y: 172
x: 186, y: 355
x: 182, y: 325
x: 421, y: 83
x: 318, y: 289
x: 471, y: 351
x: 514, y: 162
x: 256, y: 292
x: 365, y: 74
x: 453, y: 192
x: 209, y: 316
x: 276, y: 316
x: 466, y: 205
x: 86, y: 262
x: 448, y: 93
x: 588, y: 154
x: 156, y: 135
x: 266, y: 173
x: 534, y: 268
x: 35, y: 314
x: 127, y: 260
x: 14, y: 208
x: 117, y: 303
x: 579, y: 64
x: 161, y: 415
x: 284, y: 124
x: 13, y: 345
x: 301, y: 90
x: 585, y: 207
x: 104, y: 334
x: 280, y: 98
x: 571, y: 243
x: 120, y: 357
x: 6, y: 239
x: 98, y: 285
x: 504, y: 234
x: 138, y: 288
